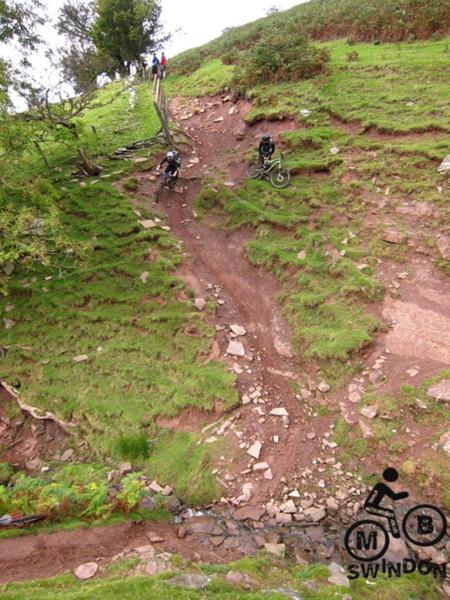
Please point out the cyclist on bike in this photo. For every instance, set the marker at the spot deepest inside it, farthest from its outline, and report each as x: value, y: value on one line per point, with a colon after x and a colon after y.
x: 266, y: 148
x: 173, y: 161
x: 373, y: 501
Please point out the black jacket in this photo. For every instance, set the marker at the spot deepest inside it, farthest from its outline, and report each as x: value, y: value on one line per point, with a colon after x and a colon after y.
x: 267, y: 147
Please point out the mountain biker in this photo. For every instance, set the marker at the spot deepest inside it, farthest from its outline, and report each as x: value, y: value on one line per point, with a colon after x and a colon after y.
x: 266, y: 148
x: 373, y: 503
x: 173, y: 161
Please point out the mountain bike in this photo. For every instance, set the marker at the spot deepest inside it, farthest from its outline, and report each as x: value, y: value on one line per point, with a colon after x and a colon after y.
x: 166, y: 181
x: 271, y: 170
x: 368, y: 540
x: 19, y: 519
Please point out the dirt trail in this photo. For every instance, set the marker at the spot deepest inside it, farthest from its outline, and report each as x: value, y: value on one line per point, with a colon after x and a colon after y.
x: 46, y: 555
x: 218, y: 260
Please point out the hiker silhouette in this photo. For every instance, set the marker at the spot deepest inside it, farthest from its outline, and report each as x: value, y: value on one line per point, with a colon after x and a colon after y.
x: 373, y: 503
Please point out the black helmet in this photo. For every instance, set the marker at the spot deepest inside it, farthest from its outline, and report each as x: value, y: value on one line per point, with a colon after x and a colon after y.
x: 265, y: 137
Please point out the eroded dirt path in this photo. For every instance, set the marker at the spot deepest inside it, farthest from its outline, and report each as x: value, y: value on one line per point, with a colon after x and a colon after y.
x: 217, y: 268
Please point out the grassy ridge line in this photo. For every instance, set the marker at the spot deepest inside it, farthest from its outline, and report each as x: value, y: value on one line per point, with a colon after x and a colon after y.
x: 387, y: 21
x: 145, y: 347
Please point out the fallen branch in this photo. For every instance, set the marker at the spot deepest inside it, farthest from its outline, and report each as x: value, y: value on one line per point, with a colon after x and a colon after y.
x: 34, y: 412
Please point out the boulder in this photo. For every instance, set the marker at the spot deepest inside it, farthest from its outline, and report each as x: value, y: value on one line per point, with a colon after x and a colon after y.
x: 253, y: 513
x: 255, y: 450
x: 278, y: 550
x: 86, y: 570
x: 393, y: 236
x: 337, y: 575
x: 440, y: 391
x: 444, y: 442
x: 235, y: 348
x: 190, y: 580
x: 279, y: 412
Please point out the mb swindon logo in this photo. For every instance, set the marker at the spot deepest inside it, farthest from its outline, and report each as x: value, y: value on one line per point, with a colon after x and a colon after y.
x: 367, y: 541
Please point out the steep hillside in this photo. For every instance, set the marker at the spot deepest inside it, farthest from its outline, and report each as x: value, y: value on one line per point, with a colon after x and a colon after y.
x: 215, y: 381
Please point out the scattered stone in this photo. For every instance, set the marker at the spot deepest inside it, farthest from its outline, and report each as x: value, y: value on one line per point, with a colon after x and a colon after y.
x: 279, y: 412
x: 440, y: 391
x: 445, y: 165
x: 278, y: 550
x: 268, y: 474
x: 255, y: 450
x: 301, y: 255
x: 229, y: 184
x: 247, y: 493
x: 144, y: 276
x: 412, y: 372
x: 238, y: 329
x: 252, y: 513
x: 8, y: 323
x: 86, y: 570
x: 318, y: 514
x: 190, y: 580
x: 240, y: 132
x: 289, y: 507
x: 323, y: 387
x: 366, y: 430
x: 337, y: 575
x: 443, y: 244
x: 148, y: 223
x: 311, y: 435
x: 235, y: 348
x: 140, y: 159
x: 370, y: 412
x: 444, y: 442
x: 200, y: 303
x: 67, y: 455
x: 261, y: 466
x: 305, y: 112
x: 332, y: 504
x: 233, y: 110
x: 334, y: 150
x: 155, y: 487
x: 394, y: 237
x: 125, y: 468
x: 218, y: 120
x: 167, y: 490
x: 294, y: 494
x: 80, y: 358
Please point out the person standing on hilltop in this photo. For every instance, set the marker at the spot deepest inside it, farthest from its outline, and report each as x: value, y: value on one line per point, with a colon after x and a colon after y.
x: 155, y: 65
x: 163, y: 64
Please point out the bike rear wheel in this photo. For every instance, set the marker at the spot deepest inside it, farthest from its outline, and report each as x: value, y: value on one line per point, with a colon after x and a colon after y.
x: 254, y: 169
x: 280, y: 178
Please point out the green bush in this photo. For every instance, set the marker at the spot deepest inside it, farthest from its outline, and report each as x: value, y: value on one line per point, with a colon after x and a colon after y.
x: 280, y: 57
x: 132, y: 447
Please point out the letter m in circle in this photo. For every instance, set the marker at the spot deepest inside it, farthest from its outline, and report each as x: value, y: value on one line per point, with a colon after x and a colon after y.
x: 366, y: 540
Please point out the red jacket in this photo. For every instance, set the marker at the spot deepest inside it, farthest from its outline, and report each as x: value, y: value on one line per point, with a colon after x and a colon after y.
x: 163, y: 61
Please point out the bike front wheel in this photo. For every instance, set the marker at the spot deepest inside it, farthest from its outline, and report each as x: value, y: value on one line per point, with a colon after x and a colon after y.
x: 280, y: 178
x: 253, y: 169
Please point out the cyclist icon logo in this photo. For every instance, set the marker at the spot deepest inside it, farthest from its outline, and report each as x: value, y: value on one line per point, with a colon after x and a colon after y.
x: 368, y: 539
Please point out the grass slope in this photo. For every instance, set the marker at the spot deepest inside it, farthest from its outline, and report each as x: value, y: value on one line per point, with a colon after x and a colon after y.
x: 146, y: 348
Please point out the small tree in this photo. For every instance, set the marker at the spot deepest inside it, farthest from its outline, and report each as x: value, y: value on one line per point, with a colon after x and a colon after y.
x: 124, y: 30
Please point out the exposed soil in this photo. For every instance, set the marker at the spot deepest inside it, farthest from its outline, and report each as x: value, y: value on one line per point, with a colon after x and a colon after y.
x: 24, y: 440
x: 46, y: 555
